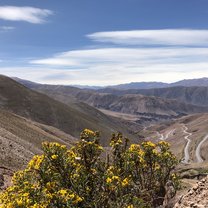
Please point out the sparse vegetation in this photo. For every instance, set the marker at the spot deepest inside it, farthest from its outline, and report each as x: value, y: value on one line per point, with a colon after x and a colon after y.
x: 129, y: 176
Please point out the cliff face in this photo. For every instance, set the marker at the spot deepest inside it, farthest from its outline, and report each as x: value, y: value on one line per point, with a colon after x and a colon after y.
x: 196, y: 197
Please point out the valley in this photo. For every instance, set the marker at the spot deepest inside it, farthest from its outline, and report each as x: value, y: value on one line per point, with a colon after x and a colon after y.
x: 187, y: 136
x: 172, y: 114
x: 103, y: 104
x: 59, y: 113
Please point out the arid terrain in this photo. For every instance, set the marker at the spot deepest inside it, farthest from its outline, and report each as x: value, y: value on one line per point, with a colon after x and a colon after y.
x: 182, y: 124
x: 28, y: 118
x: 20, y: 140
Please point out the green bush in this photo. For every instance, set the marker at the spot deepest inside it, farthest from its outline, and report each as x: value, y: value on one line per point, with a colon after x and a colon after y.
x: 87, y: 176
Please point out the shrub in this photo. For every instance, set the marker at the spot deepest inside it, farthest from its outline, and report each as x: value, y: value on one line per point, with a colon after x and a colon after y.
x: 129, y: 176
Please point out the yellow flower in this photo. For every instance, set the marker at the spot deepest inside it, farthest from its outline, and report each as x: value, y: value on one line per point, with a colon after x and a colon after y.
x: 89, y: 132
x: 77, y: 200
x: 54, y: 157
x: 100, y: 147
x: 134, y: 147
x: 71, y: 196
x: 148, y: 145
x: 173, y: 176
x: 63, y: 146
x: 25, y: 194
x: 36, y: 162
x: 130, y: 206
x: 116, y: 178
x: 63, y: 192
x: 19, y: 202
x: 125, y: 182
x: 109, y: 180
x: 164, y: 143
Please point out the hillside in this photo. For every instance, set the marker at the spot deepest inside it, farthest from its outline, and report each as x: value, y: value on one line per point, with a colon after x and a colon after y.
x: 21, y: 138
x: 72, y: 118
x: 139, y: 104
x: 150, y: 85
x: 139, y: 85
x: 203, y: 82
x: 191, y: 95
x: 187, y: 136
x: 149, y: 107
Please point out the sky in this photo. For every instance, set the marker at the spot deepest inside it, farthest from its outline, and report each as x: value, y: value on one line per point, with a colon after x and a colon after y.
x: 103, y: 42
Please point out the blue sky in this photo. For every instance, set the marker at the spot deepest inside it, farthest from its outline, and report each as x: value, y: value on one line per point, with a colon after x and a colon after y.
x: 104, y: 42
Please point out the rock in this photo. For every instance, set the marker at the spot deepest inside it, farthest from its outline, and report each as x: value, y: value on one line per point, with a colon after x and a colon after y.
x: 196, y: 197
x: 195, y: 187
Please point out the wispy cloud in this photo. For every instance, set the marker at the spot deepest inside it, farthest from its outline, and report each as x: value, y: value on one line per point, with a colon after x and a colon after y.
x: 6, y: 28
x: 108, y: 76
x: 128, y: 57
x: 27, y: 14
x: 171, y: 37
x: 104, y: 66
x: 171, y: 55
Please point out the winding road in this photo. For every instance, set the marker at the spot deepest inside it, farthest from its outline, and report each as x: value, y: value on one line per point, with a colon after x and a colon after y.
x: 169, y: 133
x: 162, y: 137
x: 198, y: 150
x: 186, y: 149
x: 187, y: 136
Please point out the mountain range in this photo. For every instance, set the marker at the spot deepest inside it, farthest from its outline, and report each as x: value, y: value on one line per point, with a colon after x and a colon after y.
x: 197, y: 95
x: 138, y: 85
x: 31, y: 113
x: 150, y: 85
x: 71, y: 118
x: 145, y: 103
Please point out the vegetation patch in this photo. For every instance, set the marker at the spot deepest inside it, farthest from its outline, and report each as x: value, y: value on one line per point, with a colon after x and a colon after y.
x: 130, y: 175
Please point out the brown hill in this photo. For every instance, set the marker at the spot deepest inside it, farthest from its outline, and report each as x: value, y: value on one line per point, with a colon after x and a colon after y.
x: 195, y: 95
x: 71, y: 118
x: 127, y: 103
x: 21, y: 138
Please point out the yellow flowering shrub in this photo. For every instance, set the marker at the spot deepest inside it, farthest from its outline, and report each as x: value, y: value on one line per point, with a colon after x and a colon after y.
x: 129, y: 176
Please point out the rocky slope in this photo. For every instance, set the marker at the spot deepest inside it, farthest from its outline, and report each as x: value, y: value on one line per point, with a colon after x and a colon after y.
x: 21, y: 138
x: 191, y: 95
x: 71, y: 118
x: 154, y: 107
x: 197, y: 196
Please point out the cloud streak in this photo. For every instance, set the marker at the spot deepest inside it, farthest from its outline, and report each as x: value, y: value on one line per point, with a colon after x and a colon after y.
x: 6, y: 28
x: 170, y: 37
x: 102, y: 76
x: 106, y: 66
x: 125, y: 56
x: 27, y: 14
x: 171, y: 55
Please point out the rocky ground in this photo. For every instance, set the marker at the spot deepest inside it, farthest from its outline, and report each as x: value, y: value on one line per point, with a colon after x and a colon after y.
x: 197, y: 196
x: 5, y: 178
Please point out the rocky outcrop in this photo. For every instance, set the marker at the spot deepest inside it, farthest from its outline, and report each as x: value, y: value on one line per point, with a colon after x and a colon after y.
x: 197, y: 196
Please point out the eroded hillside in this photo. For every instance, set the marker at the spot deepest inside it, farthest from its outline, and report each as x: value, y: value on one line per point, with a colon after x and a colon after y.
x: 71, y: 118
